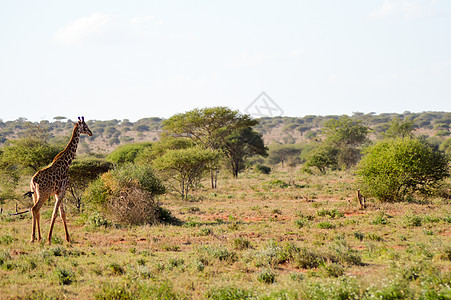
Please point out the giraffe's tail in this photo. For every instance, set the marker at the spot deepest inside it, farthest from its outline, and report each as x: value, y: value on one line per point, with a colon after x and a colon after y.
x: 28, y: 194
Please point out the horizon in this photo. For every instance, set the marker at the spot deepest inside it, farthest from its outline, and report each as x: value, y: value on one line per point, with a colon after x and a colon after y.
x: 108, y: 60
x: 354, y: 114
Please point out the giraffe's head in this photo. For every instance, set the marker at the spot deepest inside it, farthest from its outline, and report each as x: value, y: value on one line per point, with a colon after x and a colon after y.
x: 83, y: 126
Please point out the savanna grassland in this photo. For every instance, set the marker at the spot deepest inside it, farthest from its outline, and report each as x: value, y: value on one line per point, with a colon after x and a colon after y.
x: 287, y: 235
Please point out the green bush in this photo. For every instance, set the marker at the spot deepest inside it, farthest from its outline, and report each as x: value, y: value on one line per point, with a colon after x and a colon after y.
x: 394, y: 168
x: 333, y: 214
x: 241, y: 244
x: 263, y: 169
x: 229, y: 293
x: 64, y: 277
x: 127, y: 195
x: 266, y: 276
x: 127, y: 153
x: 142, y: 174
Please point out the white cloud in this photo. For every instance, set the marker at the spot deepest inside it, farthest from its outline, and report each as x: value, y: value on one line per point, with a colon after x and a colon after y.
x: 83, y: 29
x: 104, y: 28
x: 406, y: 9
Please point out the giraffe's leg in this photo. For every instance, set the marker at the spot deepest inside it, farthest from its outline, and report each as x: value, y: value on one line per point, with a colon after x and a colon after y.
x: 38, y: 224
x: 54, y: 215
x: 36, y: 216
x: 33, y: 230
x: 63, y: 218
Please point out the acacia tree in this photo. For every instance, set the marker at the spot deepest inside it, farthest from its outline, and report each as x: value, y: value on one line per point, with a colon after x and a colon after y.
x: 280, y: 153
x: 241, y: 144
x: 185, y: 167
x: 208, y: 128
x: 345, y: 135
x: 28, y: 153
x: 398, y: 128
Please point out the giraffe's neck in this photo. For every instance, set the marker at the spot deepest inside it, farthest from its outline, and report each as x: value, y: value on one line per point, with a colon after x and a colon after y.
x: 65, y: 157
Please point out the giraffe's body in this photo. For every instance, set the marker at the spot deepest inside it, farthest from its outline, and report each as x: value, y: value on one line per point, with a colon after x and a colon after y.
x: 53, y: 180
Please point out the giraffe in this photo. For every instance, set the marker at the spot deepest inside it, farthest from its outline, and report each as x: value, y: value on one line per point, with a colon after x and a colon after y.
x: 53, y: 180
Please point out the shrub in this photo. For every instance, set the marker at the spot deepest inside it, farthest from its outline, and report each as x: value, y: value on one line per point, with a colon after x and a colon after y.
x: 229, y: 293
x: 220, y: 253
x: 116, y: 269
x: 301, y: 222
x: 241, y: 244
x: 380, y: 219
x: 127, y: 153
x: 412, y: 221
x: 277, y: 183
x: 333, y: 214
x: 266, y: 276
x: 127, y: 195
x: 326, y: 225
x: 110, y: 291
x: 64, y: 277
x: 4, y: 257
x: 394, y: 168
x: 332, y: 270
x: 263, y: 169
x: 342, y: 288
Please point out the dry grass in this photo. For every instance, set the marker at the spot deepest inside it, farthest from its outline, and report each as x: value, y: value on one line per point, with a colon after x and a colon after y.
x: 283, y: 235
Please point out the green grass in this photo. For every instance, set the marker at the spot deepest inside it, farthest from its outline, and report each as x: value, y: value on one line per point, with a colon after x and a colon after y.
x: 257, y: 237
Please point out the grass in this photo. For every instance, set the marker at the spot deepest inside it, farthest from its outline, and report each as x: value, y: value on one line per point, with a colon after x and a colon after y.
x: 286, y: 235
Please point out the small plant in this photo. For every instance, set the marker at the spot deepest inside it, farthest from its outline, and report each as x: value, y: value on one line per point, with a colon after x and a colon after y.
x: 199, y: 264
x: 192, y: 209
x: 326, y: 225
x: 263, y: 169
x: 116, y: 269
x: 277, y: 183
x: 358, y: 235
x: 6, y: 239
x: 191, y: 223
x: 266, y: 276
x: 342, y: 253
x: 96, y: 220
x: 374, y: 237
x: 205, y: 232
x: 295, y: 276
x: 115, y: 291
x: 301, y: 222
x: 333, y: 214
x: 64, y: 276
x: 4, y: 257
x: 380, y: 219
x: 276, y: 211
x: 412, y: 221
x: 220, y: 253
x: 144, y: 272
x: 55, y: 251
x: 175, y: 262
x: 170, y: 247
x: 229, y: 293
x: 304, y: 258
x: 241, y: 244
x: 332, y: 270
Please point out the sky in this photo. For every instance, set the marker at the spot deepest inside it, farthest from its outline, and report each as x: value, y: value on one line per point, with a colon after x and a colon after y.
x: 136, y: 59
